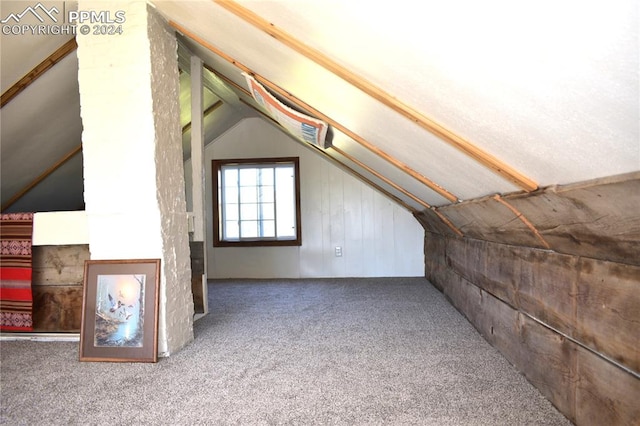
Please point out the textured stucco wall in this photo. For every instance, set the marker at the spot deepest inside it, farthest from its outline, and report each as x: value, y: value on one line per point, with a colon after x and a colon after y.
x: 134, y: 184
x: 176, y: 298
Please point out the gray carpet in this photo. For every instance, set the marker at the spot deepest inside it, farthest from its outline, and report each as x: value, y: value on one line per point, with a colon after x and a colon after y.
x: 384, y: 351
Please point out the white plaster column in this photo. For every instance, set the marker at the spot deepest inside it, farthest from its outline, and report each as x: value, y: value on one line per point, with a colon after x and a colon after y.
x: 132, y: 149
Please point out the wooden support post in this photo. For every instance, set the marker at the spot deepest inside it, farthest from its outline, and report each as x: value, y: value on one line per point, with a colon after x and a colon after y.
x: 198, y: 178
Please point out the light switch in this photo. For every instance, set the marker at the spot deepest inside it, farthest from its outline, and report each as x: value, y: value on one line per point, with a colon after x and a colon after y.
x: 338, y: 251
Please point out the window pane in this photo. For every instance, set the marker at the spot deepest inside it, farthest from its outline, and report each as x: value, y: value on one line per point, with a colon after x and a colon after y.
x: 268, y: 229
x: 248, y: 194
x: 248, y: 177
x: 267, y: 211
x: 249, y: 229
x: 266, y: 176
x: 257, y: 200
x: 230, y: 176
x: 249, y: 212
x: 231, y: 212
x: 231, y: 194
x: 232, y: 231
x: 265, y: 194
x: 285, y: 201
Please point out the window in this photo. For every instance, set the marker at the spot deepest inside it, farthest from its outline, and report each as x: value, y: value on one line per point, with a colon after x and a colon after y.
x: 257, y: 202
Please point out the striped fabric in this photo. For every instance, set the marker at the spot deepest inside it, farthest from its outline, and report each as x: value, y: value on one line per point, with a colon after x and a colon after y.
x: 16, y: 299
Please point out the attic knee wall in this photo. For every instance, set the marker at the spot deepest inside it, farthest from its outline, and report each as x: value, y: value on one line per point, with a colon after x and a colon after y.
x: 568, y: 323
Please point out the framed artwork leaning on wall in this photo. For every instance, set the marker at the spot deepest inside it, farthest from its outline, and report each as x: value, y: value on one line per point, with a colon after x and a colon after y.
x: 120, y: 310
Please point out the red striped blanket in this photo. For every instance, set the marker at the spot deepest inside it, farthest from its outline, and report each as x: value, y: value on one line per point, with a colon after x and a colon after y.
x: 16, y: 298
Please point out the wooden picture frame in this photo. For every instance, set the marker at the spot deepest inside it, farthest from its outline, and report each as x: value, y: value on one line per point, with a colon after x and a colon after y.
x: 120, y: 310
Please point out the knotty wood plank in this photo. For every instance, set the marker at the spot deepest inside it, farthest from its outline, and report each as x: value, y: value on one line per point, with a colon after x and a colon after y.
x: 598, y: 219
x: 608, y: 310
x: 434, y: 254
x: 197, y: 270
x: 498, y: 323
x: 605, y: 394
x: 488, y: 219
x: 595, y: 302
x: 573, y: 332
x: 484, y: 264
x: 463, y: 295
x: 502, y: 269
x: 546, y: 287
x: 59, y: 265
x: 548, y: 361
x: 57, y: 308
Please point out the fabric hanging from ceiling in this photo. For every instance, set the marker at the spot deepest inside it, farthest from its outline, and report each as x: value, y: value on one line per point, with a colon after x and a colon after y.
x: 16, y: 297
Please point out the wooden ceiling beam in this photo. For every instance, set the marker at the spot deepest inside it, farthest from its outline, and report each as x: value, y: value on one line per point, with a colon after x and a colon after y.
x: 380, y: 176
x: 68, y: 156
x: 474, y: 152
x: 205, y: 113
x: 524, y: 220
x: 38, y: 71
x: 349, y: 157
x: 405, y: 168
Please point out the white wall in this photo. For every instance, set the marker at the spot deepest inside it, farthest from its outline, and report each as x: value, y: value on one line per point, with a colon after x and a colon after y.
x: 60, y: 228
x: 378, y: 237
x: 132, y: 156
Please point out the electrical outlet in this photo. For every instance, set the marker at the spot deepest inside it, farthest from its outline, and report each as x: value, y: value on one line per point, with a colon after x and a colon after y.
x: 338, y: 251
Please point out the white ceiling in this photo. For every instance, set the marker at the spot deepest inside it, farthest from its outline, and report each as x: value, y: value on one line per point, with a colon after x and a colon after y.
x: 550, y: 89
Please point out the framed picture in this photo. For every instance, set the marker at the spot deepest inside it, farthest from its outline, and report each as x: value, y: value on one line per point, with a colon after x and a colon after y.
x: 120, y: 311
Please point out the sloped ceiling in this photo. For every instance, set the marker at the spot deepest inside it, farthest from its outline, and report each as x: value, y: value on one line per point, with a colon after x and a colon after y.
x: 431, y: 102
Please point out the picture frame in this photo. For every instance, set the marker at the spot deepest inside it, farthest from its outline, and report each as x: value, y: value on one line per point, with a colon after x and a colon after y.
x: 120, y: 310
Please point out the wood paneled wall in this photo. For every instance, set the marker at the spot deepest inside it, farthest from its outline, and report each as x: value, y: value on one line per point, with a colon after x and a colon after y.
x: 58, y: 273
x: 57, y: 283
x: 378, y: 237
x: 570, y: 324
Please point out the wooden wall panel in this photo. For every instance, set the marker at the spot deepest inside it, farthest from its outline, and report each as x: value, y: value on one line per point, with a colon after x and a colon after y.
x: 58, y: 275
x: 468, y: 258
x: 379, y: 237
x: 605, y: 394
x: 572, y: 331
x: 434, y: 258
x: 466, y: 297
x: 432, y: 223
x: 488, y: 219
x: 597, y: 219
x: 59, y: 265
x: 353, y: 249
x: 57, y: 309
x: 593, y: 301
x: 498, y: 323
x: 196, y: 249
x: 608, y: 310
x: 501, y: 272
x: 548, y: 361
x: 546, y: 287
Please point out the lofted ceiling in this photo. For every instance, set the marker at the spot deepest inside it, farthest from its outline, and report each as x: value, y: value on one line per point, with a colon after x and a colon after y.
x: 430, y: 102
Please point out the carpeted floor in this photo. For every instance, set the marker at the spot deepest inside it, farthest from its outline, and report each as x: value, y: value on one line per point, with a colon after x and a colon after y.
x: 383, y: 351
